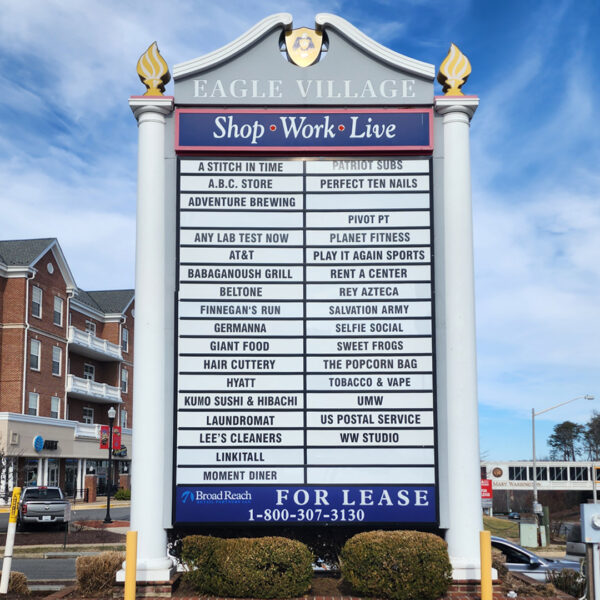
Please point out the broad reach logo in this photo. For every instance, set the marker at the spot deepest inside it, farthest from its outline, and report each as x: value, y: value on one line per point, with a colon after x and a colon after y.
x: 222, y: 496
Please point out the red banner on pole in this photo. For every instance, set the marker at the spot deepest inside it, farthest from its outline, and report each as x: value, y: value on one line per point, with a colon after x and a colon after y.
x: 104, y: 433
x: 116, y: 438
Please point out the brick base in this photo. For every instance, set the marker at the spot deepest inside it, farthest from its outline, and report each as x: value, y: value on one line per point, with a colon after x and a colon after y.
x: 471, y: 590
x: 459, y: 590
x: 149, y: 589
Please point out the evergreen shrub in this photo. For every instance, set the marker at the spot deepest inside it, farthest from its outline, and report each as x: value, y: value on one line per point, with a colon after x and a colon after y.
x: 122, y: 494
x: 400, y: 565
x: 267, y: 567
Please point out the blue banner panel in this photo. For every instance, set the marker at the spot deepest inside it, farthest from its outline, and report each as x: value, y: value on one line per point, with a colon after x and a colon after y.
x: 305, y: 504
x: 333, y: 130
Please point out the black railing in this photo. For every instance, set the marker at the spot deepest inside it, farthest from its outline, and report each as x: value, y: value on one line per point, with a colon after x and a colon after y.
x: 80, y: 495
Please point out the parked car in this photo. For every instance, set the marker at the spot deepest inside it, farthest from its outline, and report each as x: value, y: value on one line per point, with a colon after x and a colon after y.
x: 514, y: 515
x: 575, y: 547
x: 44, y: 505
x: 523, y: 561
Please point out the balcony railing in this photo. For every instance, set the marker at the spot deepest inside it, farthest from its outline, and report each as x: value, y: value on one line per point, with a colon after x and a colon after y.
x: 92, y: 390
x: 87, y: 430
x: 88, y: 344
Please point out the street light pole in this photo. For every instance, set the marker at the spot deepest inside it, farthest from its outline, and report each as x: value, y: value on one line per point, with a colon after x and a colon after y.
x: 111, y: 420
x: 533, y: 416
x: 535, y: 496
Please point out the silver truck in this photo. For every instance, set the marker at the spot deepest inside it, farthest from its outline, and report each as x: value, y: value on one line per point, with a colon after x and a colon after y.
x: 44, y: 505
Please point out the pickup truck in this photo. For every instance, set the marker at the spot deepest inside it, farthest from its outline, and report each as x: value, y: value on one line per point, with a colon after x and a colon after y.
x: 44, y: 505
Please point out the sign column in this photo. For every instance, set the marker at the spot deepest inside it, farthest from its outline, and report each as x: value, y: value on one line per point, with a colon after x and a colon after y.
x: 460, y: 376
x: 151, y: 409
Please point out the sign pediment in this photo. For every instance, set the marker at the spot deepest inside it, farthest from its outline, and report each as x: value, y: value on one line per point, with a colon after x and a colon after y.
x: 353, y: 69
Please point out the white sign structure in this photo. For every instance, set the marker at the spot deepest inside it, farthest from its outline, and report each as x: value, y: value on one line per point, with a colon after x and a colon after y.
x: 305, y: 335
x: 298, y: 357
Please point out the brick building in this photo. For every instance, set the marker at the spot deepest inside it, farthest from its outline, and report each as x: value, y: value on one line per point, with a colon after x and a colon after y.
x: 66, y: 357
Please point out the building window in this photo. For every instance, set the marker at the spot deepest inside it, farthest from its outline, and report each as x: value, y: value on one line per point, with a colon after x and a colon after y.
x: 34, y: 355
x: 558, y: 473
x: 90, y: 327
x: 57, y: 318
x: 124, y: 380
x: 517, y: 473
x: 31, y: 471
x: 89, y: 371
x: 55, y: 407
x: 56, y: 360
x: 36, y: 302
x: 123, y: 418
x: 88, y: 415
x: 32, y: 406
x: 125, y: 340
x: 541, y: 473
x: 579, y: 473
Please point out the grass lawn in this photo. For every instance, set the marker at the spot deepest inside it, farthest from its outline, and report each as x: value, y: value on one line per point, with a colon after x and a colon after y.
x: 501, y: 527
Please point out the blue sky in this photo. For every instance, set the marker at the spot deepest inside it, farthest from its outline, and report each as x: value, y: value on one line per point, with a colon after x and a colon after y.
x: 68, y: 162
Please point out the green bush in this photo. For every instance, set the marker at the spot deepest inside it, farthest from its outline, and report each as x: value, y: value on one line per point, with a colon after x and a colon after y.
x: 122, y: 494
x: 96, y: 574
x: 401, y: 565
x: 17, y: 584
x: 268, y: 567
x: 198, y: 554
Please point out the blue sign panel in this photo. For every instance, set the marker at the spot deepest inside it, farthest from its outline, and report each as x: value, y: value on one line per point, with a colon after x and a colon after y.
x: 393, y: 129
x: 292, y: 504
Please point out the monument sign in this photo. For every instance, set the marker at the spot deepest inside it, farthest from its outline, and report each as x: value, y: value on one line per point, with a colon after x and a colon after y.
x: 305, y: 200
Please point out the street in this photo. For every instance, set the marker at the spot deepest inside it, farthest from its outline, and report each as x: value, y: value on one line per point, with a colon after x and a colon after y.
x: 45, y: 569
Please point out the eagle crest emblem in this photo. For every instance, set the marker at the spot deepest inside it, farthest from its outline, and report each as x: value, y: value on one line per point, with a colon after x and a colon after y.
x: 303, y: 46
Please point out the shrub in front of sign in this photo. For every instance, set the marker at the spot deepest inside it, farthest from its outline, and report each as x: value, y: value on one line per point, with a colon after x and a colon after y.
x: 401, y: 565
x: 268, y: 567
x: 96, y: 574
x: 198, y: 554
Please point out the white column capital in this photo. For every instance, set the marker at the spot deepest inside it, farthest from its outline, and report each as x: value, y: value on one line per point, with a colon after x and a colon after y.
x: 467, y: 105
x: 162, y: 105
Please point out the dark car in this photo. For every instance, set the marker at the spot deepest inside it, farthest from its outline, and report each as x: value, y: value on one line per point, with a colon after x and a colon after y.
x: 523, y: 561
x: 514, y: 515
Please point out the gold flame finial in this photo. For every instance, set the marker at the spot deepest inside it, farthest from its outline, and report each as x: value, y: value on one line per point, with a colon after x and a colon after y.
x: 454, y: 72
x: 153, y: 71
